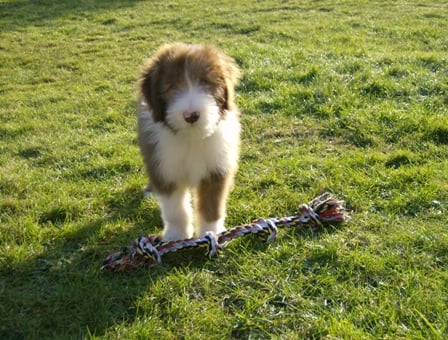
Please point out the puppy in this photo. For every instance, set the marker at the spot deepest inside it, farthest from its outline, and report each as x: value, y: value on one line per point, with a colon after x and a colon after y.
x: 189, y: 135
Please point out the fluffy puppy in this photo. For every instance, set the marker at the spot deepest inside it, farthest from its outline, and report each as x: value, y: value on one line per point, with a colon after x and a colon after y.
x: 189, y: 135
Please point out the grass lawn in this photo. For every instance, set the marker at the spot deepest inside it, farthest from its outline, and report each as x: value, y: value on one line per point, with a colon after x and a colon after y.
x: 343, y: 96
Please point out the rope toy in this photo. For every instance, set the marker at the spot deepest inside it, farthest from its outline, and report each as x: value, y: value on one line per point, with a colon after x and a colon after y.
x: 148, y: 250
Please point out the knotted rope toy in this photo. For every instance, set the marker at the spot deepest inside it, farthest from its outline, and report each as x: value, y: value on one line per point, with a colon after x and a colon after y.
x: 148, y: 250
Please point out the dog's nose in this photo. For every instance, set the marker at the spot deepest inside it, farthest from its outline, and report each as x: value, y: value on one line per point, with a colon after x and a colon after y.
x: 191, y: 117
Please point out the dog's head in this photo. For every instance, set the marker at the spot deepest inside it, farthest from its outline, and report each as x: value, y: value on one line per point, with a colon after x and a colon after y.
x: 189, y: 87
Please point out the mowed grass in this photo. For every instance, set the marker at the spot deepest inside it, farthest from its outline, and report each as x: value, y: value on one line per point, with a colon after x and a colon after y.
x: 343, y: 96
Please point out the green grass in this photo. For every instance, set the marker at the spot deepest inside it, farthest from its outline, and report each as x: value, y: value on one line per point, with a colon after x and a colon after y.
x: 346, y: 96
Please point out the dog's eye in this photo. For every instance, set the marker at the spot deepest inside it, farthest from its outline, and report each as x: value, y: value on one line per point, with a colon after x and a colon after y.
x: 206, y: 82
x: 167, y: 89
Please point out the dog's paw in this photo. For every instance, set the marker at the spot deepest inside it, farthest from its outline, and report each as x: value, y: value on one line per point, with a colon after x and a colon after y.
x: 215, y: 227
x: 173, y: 233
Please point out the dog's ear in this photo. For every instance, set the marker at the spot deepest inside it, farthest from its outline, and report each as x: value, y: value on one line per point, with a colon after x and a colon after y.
x: 232, y: 77
x: 149, y: 87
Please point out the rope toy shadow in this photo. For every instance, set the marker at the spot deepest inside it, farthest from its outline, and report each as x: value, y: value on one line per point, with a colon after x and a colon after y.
x: 149, y: 250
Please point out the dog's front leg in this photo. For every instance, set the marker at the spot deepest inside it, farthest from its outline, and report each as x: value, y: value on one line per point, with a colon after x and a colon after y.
x: 211, y: 203
x: 176, y: 214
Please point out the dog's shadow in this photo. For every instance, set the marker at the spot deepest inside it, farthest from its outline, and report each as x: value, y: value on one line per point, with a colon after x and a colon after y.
x: 65, y: 280
x: 63, y: 283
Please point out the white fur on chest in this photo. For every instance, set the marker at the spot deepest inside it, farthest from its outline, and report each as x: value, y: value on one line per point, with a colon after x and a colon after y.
x: 184, y: 157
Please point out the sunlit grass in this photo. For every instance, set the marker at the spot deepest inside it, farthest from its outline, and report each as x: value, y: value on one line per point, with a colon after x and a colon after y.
x: 347, y: 97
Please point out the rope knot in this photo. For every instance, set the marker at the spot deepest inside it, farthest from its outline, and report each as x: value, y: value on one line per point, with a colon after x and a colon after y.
x: 145, y: 246
x: 323, y: 209
x: 308, y: 217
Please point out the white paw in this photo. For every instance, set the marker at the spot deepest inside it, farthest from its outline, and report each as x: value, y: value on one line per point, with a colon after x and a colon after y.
x: 214, y: 227
x: 174, y: 233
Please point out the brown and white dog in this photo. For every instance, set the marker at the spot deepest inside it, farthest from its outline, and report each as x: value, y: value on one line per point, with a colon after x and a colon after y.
x: 189, y: 135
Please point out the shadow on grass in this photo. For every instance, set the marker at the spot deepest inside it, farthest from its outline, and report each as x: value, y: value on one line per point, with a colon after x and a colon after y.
x: 60, y: 291
x: 22, y: 13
